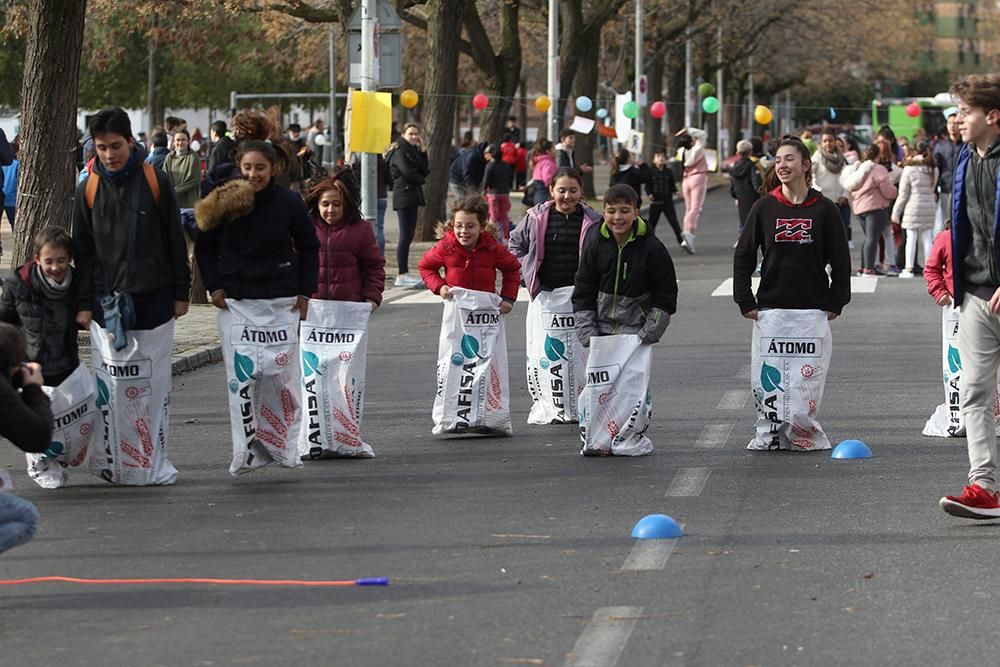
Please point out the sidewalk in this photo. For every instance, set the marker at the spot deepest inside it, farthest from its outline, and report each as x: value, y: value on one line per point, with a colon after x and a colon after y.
x: 196, y: 335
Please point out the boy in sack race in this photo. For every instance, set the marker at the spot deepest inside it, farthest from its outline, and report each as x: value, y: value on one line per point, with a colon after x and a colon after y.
x: 333, y: 339
x: 625, y: 294
x: 472, y: 382
x: 40, y: 297
x: 799, y: 233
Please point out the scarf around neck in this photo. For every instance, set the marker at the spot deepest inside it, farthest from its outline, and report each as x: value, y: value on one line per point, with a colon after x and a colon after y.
x: 50, y: 288
x: 834, y: 162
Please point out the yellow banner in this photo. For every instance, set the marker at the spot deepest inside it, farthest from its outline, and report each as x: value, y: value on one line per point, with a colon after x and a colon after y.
x: 371, y: 121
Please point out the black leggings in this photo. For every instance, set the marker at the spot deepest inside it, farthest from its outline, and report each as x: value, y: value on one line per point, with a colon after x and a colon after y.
x: 667, y: 208
x: 407, y: 228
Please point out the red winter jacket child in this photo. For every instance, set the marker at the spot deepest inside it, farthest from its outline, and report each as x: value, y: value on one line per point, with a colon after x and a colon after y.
x: 937, y: 269
x: 472, y: 269
x: 350, y: 266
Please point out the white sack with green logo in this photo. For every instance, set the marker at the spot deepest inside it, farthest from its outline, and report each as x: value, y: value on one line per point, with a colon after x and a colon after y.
x: 473, y: 395
x: 133, y: 404
x: 615, y: 406
x: 333, y: 340
x: 556, y: 359
x: 74, y: 411
x: 946, y: 420
x: 789, y: 360
x: 260, y: 348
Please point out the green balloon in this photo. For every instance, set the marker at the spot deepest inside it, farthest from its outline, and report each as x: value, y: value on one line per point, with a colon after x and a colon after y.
x: 710, y: 104
x: 706, y: 89
x: 630, y: 109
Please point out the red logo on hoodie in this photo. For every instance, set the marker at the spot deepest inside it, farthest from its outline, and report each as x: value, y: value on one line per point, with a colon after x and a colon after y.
x: 793, y: 230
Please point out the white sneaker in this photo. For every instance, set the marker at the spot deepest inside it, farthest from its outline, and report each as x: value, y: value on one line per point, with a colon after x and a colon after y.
x: 906, y: 273
x: 406, y: 280
x: 688, y: 243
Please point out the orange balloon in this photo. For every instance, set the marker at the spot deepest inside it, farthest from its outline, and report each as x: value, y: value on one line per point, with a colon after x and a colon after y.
x: 409, y: 98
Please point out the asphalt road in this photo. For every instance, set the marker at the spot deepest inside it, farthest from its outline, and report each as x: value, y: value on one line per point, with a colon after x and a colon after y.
x: 511, y: 551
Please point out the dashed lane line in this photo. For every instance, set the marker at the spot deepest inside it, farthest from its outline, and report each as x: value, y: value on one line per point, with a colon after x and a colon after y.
x: 714, y: 436
x: 688, y: 482
x: 734, y: 399
x: 604, y: 638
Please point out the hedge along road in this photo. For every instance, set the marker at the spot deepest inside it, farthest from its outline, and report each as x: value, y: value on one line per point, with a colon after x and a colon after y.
x: 511, y: 551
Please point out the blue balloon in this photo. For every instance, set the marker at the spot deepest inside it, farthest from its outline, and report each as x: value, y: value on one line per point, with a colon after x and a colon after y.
x: 851, y: 449
x: 656, y: 527
x: 602, y: 113
x: 584, y: 104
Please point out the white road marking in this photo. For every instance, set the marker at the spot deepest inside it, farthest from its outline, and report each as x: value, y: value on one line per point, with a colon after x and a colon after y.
x: 859, y: 285
x: 714, y: 436
x: 604, y: 638
x: 688, y: 482
x: 649, y: 554
x: 734, y: 399
x: 423, y: 296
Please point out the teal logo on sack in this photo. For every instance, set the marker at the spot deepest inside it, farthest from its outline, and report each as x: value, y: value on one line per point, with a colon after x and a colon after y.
x: 470, y: 349
x: 555, y: 349
x: 310, y: 363
x: 103, y: 395
x: 770, y: 378
x: 954, y: 360
x: 54, y: 449
x: 243, y: 365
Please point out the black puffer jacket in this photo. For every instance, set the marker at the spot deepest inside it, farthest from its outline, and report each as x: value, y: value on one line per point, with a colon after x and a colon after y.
x: 408, y: 167
x: 49, y: 324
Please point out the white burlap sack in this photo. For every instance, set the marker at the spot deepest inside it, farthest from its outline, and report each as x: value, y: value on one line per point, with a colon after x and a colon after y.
x: 133, y: 398
x: 615, y: 406
x: 556, y: 359
x: 260, y: 348
x: 472, y: 387
x: 946, y: 421
x: 74, y: 411
x: 334, y: 342
x: 790, y: 357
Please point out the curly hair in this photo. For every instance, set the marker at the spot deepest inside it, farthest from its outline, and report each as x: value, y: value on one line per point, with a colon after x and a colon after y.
x: 474, y: 204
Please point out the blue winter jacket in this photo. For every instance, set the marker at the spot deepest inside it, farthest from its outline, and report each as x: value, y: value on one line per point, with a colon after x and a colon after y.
x: 961, y: 227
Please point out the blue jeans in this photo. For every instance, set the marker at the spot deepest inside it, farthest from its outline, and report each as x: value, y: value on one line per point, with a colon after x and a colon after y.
x: 380, y: 225
x: 18, y: 521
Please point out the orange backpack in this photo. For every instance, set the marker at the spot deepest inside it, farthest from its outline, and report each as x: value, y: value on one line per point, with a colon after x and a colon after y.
x: 93, y: 180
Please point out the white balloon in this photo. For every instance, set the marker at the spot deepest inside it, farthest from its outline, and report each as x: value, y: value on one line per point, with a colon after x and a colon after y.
x: 196, y: 145
x: 320, y: 140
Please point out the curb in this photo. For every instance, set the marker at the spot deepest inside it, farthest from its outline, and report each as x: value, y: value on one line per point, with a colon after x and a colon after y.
x: 195, y: 358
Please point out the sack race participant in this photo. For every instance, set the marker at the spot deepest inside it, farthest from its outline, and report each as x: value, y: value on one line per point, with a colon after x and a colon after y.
x: 789, y: 359
x: 259, y: 346
x: 556, y: 359
x: 625, y: 293
x: 133, y: 398
x: 946, y: 420
x: 472, y: 387
x: 334, y: 344
x: 616, y: 407
x: 74, y: 411
x: 799, y: 232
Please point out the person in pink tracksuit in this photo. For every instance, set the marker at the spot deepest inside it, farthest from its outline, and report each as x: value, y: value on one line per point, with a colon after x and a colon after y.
x: 695, y: 181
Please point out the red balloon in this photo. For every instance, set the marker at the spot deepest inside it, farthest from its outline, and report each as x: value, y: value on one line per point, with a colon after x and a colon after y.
x: 913, y: 109
x: 480, y: 101
x: 657, y: 109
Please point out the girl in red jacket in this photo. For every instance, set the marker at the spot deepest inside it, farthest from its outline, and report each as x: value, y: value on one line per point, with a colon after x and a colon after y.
x: 351, y: 268
x: 937, y: 271
x: 470, y: 255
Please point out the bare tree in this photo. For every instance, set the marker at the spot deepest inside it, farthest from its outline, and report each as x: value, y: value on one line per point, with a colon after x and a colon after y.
x: 48, y: 120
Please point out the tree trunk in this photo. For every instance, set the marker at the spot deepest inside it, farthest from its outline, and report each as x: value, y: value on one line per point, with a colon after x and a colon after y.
x: 586, y: 84
x: 654, y: 131
x: 502, y: 68
x: 675, y: 87
x: 152, y: 75
x: 443, y: 26
x: 48, y: 120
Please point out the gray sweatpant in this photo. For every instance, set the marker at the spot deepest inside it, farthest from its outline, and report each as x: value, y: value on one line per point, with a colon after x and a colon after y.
x: 979, y: 348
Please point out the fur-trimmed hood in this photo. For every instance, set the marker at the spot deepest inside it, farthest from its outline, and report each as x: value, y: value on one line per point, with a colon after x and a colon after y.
x: 229, y: 201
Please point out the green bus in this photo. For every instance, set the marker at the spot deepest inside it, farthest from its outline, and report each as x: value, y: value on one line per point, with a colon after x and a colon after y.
x: 891, y: 111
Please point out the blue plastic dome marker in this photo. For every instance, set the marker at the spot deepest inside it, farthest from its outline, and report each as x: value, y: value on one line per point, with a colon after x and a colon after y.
x: 851, y: 449
x: 656, y: 527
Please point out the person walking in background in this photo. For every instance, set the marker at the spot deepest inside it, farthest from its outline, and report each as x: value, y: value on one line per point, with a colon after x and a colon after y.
x: 745, y: 182
x: 8, y: 196
x: 566, y: 152
x: 946, y: 152
x: 871, y: 192
x: 543, y: 168
x: 661, y: 188
x: 382, y: 180
x: 223, y: 148
x: 695, y: 182
x: 915, y: 206
x: 827, y: 165
x: 624, y: 171
x: 408, y: 169
x: 183, y: 168
x: 160, y: 151
x: 496, y: 186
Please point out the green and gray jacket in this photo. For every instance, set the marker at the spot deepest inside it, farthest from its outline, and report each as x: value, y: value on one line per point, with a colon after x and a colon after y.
x: 628, y: 289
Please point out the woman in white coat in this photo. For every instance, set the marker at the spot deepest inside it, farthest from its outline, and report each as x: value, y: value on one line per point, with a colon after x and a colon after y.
x: 916, y: 205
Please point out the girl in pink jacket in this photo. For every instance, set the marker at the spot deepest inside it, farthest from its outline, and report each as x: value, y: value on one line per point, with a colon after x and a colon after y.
x: 871, y: 192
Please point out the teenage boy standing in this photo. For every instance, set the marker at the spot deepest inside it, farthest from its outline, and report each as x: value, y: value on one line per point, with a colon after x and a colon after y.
x: 976, y: 270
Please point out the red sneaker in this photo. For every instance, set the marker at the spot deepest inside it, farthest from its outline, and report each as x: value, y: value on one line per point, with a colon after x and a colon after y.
x: 974, y: 503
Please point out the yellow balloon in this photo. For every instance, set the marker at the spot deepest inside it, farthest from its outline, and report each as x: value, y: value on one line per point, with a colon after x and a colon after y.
x: 543, y: 103
x: 409, y: 98
x: 762, y: 114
